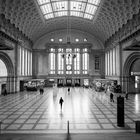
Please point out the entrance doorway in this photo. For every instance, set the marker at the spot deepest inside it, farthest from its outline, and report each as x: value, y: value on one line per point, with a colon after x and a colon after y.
x: 7, y: 73
x: 60, y: 82
x: 22, y: 85
x: 134, y: 83
x: 131, y: 82
x: 137, y: 84
x: 69, y: 82
x: 3, y: 86
x: 77, y: 82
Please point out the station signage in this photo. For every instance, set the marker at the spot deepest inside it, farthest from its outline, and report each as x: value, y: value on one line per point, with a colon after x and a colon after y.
x: 135, y: 73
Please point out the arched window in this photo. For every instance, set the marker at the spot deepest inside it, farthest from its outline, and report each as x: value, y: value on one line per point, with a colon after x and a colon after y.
x: 69, y: 61
x: 52, y: 61
x: 76, y: 57
x: 60, y: 61
x: 3, y: 69
x: 85, y: 61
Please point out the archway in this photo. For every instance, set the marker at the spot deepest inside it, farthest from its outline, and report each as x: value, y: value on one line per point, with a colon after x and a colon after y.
x: 131, y: 74
x: 8, y: 78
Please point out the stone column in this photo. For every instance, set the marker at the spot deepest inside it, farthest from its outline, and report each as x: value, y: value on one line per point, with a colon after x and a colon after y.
x: 115, y: 61
x: 56, y: 62
x: 111, y: 62
x: 108, y: 64
x: 17, y: 69
x: 81, y: 62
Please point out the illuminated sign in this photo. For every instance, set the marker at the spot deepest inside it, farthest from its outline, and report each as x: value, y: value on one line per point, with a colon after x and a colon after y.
x: 135, y: 73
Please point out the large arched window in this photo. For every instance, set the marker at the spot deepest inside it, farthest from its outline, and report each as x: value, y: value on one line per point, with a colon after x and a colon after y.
x: 76, y: 61
x: 60, y: 61
x: 85, y: 61
x: 3, y: 69
x: 69, y: 61
x: 52, y: 61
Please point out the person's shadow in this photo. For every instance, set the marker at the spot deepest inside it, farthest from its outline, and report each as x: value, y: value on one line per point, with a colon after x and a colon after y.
x: 61, y: 115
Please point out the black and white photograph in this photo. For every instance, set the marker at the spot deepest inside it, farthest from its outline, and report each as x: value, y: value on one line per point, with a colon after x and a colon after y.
x: 69, y: 69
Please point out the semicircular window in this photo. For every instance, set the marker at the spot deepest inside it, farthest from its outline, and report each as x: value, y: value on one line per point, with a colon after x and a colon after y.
x: 79, y: 8
x: 3, y: 69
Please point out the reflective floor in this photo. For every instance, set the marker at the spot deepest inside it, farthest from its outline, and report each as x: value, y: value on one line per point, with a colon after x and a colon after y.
x: 86, y: 110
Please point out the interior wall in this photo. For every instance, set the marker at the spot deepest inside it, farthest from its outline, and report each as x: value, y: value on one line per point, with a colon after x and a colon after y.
x: 112, y: 63
x: 129, y: 80
x: 62, y: 34
x: 41, y: 56
x: 123, y: 62
x: 9, y: 78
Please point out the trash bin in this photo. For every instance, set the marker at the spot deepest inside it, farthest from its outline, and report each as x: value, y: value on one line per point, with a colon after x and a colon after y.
x: 137, y: 126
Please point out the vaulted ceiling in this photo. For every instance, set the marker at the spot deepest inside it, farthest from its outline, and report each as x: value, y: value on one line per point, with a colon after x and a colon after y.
x: 110, y: 16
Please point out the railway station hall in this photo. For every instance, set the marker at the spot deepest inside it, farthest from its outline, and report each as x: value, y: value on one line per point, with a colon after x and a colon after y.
x: 69, y: 69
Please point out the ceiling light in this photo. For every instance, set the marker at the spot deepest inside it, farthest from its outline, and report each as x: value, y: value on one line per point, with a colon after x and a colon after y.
x: 52, y: 40
x: 60, y: 40
x: 85, y: 40
x: 77, y: 40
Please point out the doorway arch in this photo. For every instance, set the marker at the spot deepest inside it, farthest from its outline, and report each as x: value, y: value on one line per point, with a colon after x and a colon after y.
x: 10, y: 72
x: 128, y: 75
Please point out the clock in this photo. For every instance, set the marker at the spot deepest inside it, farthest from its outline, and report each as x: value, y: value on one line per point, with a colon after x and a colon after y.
x: 68, y: 67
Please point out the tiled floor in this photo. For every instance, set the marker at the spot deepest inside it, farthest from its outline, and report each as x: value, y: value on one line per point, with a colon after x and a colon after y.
x: 86, y: 110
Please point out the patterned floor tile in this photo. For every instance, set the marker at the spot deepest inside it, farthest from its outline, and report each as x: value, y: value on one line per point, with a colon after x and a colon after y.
x: 43, y: 121
x: 14, y: 127
x: 81, y: 126
x: 103, y: 120
x: 27, y: 126
x: 31, y: 121
x: 85, y: 110
x: 8, y: 121
x: 41, y: 126
x: 19, y: 121
x: 94, y: 126
x: 107, y: 126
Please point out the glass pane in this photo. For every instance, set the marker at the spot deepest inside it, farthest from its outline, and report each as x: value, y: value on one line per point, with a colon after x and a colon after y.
x: 60, y: 6
x: 96, y: 2
x: 57, y: 8
x: 87, y: 16
x: 52, y: 63
x: 60, y: 14
x: 3, y: 69
x: 48, y: 16
x: 91, y: 9
x: 46, y: 9
x: 77, y: 6
x: 78, y: 14
x: 43, y: 1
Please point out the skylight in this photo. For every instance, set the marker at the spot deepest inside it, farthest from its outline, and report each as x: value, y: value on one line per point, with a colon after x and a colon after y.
x: 79, y: 8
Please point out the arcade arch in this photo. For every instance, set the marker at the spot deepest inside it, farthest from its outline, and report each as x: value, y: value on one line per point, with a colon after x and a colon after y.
x: 131, y: 73
x: 7, y: 79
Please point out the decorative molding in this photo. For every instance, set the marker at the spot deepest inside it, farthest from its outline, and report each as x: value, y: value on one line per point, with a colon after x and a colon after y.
x: 71, y: 45
x: 12, y: 33
x: 128, y: 31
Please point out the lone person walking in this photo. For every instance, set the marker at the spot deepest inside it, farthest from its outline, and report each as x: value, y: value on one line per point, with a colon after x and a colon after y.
x: 68, y: 90
x: 126, y: 96
x: 61, y: 102
x: 111, y: 97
